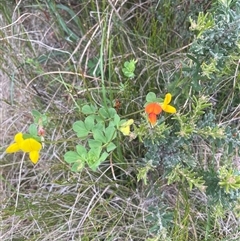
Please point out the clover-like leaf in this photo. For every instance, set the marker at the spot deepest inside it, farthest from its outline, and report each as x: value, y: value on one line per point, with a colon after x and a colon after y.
x: 112, y: 112
x: 89, y: 122
x: 151, y: 97
x: 71, y: 157
x: 116, y: 120
x: 111, y: 146
x: 99, y: 119
x: 103, y: 112
x: 81, y: 150
x: 39, y: 118
x: 94, y: 143
x: 88, y: 109
x: 80, y: 128
x: 110, y: 133
x: 32, y: 129
x: 94, y: 159
x: 36, y: 114
x: 130, y: 65
x: 129, y: 68
x: 103, y: 157
x: 78, y: 166
x: 99, y: 136
x: 99, y: 126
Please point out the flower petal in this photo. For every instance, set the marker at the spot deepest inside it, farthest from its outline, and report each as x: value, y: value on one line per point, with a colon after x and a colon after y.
x: 154, y: 108
x: 18, y: 138
x: 152, y: 118
x: 167, y: 99
x: 170, y: 109
x: 34, y: 156
x: 125, y: 127
x: 129, y: 122
x: 13, y: 148
x: 30, y: 144
x: 125, y: 130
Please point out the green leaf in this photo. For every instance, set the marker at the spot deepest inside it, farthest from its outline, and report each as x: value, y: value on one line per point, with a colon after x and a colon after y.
x: 126, y: 64
x: 103, y: 157
x: 39, y: 118
x: 94, y: 165
x: 116, y: 120
x: 129, y: 68
x: 99, y: 126
x: 111, y: 123
x: 94, y: 160
x: 71, y: 157
x: 99, y: 136
x: 111, y: 146
x: 36, y: 114
x: 33, y: 130
x: 44, y: 119
x: 110, y: 133
x: 88, y: 109
x: 151, y: 97
x: 78, y: 166
x: 81, y: 150
x: 80, y: 128
x: 89, y: 122
x: 99, y: 119
x: 103, y: 112
x: 95, y: 151
x: 94, y: 143
x: 130, y: 65
x: 112, y: 112
x: 35, y: 137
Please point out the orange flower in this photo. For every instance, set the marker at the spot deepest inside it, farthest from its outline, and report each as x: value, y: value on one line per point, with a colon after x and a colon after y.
x: 152, y: 118
x: 153, y: 109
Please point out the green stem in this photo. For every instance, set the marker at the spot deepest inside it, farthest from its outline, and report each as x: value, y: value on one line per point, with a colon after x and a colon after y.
x: 102, y: 65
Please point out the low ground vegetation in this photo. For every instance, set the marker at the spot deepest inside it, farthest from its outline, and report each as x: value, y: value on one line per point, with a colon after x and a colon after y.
x: 120, y: 120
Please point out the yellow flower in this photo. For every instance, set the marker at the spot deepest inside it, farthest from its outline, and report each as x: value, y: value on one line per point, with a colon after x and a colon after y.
x: 165, y: 105
x: 29, y: 145
x: 125, y: 127
x: 15, y: 147
x: 33, y: 147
